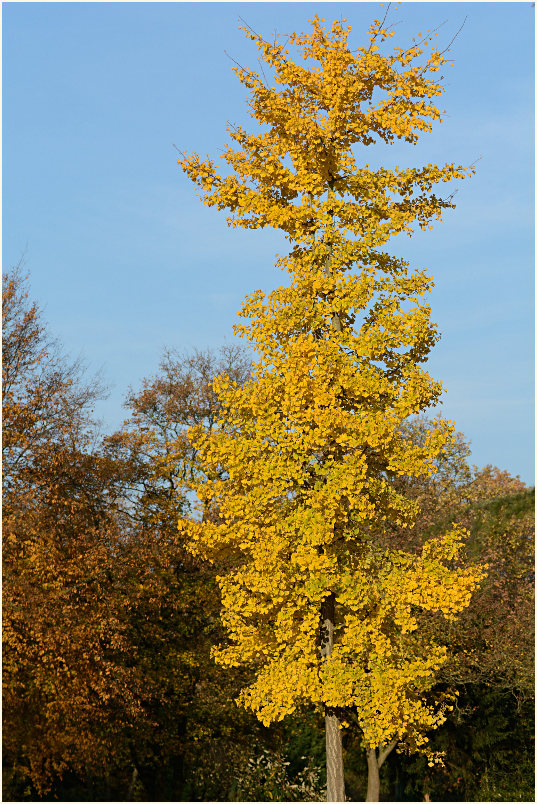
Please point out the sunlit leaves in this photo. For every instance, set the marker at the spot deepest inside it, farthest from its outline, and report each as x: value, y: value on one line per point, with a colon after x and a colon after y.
x: 301, y: 475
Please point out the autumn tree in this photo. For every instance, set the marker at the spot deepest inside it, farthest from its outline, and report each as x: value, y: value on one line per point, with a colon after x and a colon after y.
x: 199, y: 747
x: 174, y: 602
x: 301, y: 470
x: 487, y: 736
x: 66, y: 696
x: 497, y: 510
x: 107, y: 620
x: 490, y: 746
x: 157, y: 458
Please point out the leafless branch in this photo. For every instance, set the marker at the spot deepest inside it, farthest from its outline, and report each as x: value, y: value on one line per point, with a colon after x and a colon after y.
x: 428, y: 35
x: 252, y: 30
x: 235, y: 62
x: 262, y: 70
x: 456, y: 35
x: 381, y: 24
x: 386, y: 14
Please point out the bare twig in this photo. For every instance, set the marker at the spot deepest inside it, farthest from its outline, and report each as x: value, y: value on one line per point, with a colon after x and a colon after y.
x: 236, y: 62
x: 262, y: 70
x: 456, y: 35
x: 428, y: 35
x: 386, y: 14
x: 252, y: 30
x: 379, y: 29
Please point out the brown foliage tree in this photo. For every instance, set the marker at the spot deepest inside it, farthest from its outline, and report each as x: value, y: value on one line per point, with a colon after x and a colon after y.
x: 174, y: 603
x: 157, y: 458
x: 108, y: 621
x: 66, y: 695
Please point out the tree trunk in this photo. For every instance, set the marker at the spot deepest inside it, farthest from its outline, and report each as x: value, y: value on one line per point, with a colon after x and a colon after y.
x: 373, y: 776
x: 335, y: 779
x: 134, y: 776
x: 335, y: 782
x: 374, y: 764
x: 335, y: 322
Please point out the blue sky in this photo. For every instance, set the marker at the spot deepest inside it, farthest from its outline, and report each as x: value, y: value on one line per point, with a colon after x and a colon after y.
x: 125, y: 260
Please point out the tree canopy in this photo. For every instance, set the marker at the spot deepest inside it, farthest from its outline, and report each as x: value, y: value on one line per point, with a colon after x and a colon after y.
x: 310, y: 446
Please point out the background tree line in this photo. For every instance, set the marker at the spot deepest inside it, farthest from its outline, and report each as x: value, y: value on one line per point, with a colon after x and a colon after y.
x: 109, y: 690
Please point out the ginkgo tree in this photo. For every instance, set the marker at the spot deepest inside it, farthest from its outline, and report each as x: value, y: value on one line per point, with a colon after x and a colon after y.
x: 299, y: 477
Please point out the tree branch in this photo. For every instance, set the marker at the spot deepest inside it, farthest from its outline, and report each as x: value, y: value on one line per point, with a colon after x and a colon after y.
x: 386, y: 751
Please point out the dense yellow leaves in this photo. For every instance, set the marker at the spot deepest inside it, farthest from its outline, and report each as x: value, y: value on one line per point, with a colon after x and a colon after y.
x: 313, y: 115
x: 300, y: 490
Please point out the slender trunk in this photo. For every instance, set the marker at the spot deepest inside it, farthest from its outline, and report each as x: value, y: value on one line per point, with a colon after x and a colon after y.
x: 374, y: 764
x: 134, y: 776
x: 336, y: 320
x: 373, y: 776
x: 335, y: 782
x: 335, y: 779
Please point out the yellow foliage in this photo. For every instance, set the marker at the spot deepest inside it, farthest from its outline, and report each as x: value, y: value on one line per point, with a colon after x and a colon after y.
x: 299, y: 490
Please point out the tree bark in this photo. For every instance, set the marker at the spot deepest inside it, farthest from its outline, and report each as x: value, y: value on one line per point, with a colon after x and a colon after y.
x: 335, y: 781
x: 373, y: 776
x: 374, y: 764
